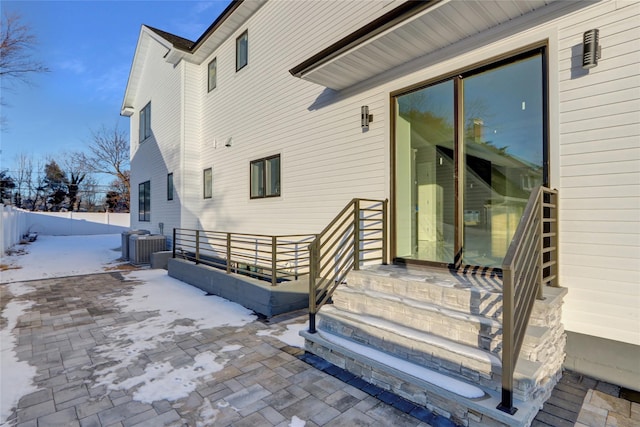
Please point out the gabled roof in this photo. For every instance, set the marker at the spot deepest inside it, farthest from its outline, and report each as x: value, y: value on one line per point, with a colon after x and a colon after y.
x: 177, y: 41
x: 180, y: 48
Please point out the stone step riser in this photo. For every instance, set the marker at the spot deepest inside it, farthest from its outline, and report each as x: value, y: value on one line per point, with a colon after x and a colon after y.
x: 482, y: 373
x: 469, y: 330
x: 458, y: 409
x: 487, y: 303
x: 437, y: 358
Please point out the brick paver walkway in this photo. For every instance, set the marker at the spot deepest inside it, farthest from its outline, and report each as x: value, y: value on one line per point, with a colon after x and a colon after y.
x: 267, y: 385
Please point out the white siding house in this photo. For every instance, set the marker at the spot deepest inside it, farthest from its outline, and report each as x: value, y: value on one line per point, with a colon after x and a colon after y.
x: 590, y: 128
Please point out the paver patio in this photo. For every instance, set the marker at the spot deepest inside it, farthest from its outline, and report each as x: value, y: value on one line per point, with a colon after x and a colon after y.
x: 262, y: 384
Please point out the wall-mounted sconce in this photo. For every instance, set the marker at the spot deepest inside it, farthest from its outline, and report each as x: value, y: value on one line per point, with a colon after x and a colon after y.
x: 365, y: 117
x: 228, y: 143
x: 590, y: 48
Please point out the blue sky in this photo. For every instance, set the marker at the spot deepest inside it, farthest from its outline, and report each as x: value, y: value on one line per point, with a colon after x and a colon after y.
x: 89, y: 47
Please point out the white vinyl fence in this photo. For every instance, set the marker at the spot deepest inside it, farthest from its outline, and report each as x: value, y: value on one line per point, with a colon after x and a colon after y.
x: 18, y: 222
x: 14, y: 226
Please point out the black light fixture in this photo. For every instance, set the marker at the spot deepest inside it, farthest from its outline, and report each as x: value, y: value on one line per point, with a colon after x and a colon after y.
x: 590, y: 48
x: 365, y: 117
x: 228, y: 143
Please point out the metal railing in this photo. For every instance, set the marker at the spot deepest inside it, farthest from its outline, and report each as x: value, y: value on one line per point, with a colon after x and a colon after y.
x: 357, y: 235
x: 270, y: 258
x: 530, y: 263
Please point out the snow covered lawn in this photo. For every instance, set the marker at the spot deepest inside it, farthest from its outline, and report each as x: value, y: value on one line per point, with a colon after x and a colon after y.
x: 59, y: 256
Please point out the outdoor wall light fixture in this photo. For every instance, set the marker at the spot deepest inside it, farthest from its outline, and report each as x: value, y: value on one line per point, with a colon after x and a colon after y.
x: 228, y: 143
x: 365, y: 117
x: 590, y: 48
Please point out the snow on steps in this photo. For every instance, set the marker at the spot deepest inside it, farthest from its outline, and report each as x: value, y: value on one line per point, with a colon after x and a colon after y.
x: 444, y: 396
x: 448, y: 323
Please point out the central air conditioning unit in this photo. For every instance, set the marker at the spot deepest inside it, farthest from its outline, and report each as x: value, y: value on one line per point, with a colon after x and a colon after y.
x: 125, y: 241
x: 141, y: 246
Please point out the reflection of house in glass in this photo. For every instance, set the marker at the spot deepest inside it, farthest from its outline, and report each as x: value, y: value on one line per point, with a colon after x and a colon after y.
x: 491, y: 184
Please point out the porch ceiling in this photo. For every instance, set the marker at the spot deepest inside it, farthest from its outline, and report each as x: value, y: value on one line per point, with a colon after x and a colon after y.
x: 412, y: 30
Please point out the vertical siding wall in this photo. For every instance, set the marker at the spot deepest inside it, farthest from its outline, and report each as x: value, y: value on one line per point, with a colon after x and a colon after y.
x: 599, y: 179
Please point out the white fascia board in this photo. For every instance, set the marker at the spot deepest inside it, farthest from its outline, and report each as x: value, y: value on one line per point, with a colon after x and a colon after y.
x: 144, y: 39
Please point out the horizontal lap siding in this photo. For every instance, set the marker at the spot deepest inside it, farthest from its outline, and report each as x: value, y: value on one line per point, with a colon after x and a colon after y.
x: 191, y: 166
x: 326, y: 159
x: 600, y: 174
x: 160, y: 154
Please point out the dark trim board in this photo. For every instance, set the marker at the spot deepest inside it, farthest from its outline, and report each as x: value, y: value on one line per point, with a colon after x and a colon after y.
x: 375, y: 27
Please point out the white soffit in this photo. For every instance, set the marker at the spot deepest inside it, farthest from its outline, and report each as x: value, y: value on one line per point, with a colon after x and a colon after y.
x: 441, y: 25
x: 210, y: 43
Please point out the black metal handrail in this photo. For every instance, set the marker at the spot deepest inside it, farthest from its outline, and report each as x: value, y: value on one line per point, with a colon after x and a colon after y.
x: 530, y: 263
x: 357, y: 235
x: 266, y: 257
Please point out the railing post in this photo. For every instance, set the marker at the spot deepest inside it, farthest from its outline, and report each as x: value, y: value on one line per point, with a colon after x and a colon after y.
x: 384, y: 231
x: 312, y: 285
x: 541, y: 218
x: 174, y: 242
x: 228, y: 253
x: 197, y: 246
x: 554, y: 227
x: 508, y: 341
x: 274, y: 260
x: 356, y: 234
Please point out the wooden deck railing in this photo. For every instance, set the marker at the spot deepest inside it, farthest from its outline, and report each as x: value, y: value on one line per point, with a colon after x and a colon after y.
x: 531, y: 262
x: 266, y: 257
x: 357, y: 235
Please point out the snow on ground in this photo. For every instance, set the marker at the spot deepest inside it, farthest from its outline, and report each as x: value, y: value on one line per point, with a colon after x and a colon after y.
x: 180, y: 309
x: 290, y: 337
x: 17, y: 377
x: 297, y: 422
x: 59, y: 256
x: 170, y: 307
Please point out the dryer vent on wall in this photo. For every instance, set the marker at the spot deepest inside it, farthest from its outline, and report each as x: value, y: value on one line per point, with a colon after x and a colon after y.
x: 141, y: 247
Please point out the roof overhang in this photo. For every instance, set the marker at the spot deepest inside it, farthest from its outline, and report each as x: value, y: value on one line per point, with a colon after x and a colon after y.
x: 233, y: 18
x: 411, y: 30
x: 229, y: 21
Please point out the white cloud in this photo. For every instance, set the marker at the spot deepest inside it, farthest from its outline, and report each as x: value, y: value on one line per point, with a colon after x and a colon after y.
x: 74, y: 65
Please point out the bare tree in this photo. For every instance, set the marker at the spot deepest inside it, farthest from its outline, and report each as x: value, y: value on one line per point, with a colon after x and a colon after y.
x: 77, y: 172
x: 16, y: 45
x: 88, y: 194
x: 109, y: 154
x: 23, y: 173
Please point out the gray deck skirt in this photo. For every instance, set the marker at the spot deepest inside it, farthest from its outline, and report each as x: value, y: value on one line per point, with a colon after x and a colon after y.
x: 254, y: 294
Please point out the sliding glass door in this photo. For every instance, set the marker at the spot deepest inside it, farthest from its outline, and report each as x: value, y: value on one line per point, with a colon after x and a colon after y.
x: 468, y: 152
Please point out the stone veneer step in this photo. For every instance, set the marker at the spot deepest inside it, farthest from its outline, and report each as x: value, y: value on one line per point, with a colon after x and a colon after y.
x: 437, y: 353
x: 470, y: 329
x: 474, y: 294
x: 439, y: 398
